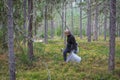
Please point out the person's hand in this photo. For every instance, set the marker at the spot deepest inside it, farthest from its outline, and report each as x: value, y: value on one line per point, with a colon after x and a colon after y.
x: 74, y: 51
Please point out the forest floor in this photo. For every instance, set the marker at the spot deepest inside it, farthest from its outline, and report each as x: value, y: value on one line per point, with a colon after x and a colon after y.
x: 48, y: 63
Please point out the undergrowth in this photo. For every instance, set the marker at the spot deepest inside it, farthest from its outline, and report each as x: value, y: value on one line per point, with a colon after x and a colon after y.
x: 48, y: 63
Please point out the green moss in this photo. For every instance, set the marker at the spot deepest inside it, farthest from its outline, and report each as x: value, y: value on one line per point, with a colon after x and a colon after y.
x: 49, y: 62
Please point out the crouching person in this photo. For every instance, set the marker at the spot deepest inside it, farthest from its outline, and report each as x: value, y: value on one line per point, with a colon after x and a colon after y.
x: 71, y: 44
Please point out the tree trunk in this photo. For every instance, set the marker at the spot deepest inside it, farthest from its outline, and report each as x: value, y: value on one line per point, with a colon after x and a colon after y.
x: 92, y: 25
x: 62, y: 20
x: 34, y: 18
x: 46, y: 26
x: 105, y: 20
x: 72, y: 25
x: 80, y: 20
x: 24, y: 14
x: 100, y: 26
x: 65, y: 14
x: 35, y: 28
x: 11, y: 40
x: 89, y: 21
x: 65, y: 23
x: 118, y: 29
x: 52, y: 28
x: 30, y: 34
x: 52, y: 25
x: 111, y: 63
x: 96, y: 23
x: 105, y: 26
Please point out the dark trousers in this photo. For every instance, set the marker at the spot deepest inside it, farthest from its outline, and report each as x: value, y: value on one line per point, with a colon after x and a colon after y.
x: 67, y: 50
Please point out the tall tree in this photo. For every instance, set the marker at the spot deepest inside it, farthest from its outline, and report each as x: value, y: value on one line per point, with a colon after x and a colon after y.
x: 72, y: 25
x: 24, y: 14
x: 118, y: 18
x: 105, y: 19
x: 89, y: 20
x: 65, y: 26
x: 96, y: 21
x: 81, y: 20
x: 65, y: 15
x: 118, y: 30
x: 111, y: 61
x: 11, y: 40
x: 46, y: 25
x: 30, y: 33
x: 52, y: 24
x: 34, y: 18
x: 62, y: 20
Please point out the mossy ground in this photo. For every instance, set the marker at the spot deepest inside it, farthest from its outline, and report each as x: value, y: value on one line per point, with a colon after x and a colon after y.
x: 48, y: 63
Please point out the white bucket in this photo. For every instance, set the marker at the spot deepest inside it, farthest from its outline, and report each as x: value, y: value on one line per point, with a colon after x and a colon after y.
x: 72, y: 57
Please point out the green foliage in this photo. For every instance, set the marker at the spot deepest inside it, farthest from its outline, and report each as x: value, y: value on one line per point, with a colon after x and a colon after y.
x: 42, y: 35
x: 3, y: 36
x: 23, y: 58
x: 35, y: 75
x: 82, y: 4
x: 118, y: 50
x: 76, y: 31
x: 58, y: 31
x: 39, y: 18
x: 39, y: 48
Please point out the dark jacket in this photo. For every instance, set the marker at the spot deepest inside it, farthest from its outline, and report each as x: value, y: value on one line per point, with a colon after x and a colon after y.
x: 71, y: 42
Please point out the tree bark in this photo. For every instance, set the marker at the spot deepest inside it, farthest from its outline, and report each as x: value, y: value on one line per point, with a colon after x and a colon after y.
x: 52, y: 28
x: 111, y: 61
x: 34, y: 18
x: 89, y: 20
x: 24, y: 14
x: 52, y: 25
x: 72, y: 25
x: 62, y: 21
x: 30, y: 33
x: 65, y: 42
x: 80, y: 20
x: 35, y: 28
x: 65, y: 14
x: 105, y: 26
x: 96, y: 22
x: 11, y: 40
x: 46, y: 26
x: 118, y: 29
x: 105, y: 20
